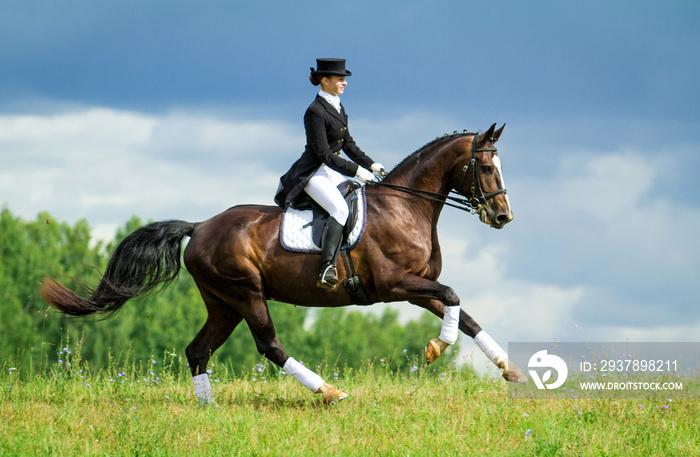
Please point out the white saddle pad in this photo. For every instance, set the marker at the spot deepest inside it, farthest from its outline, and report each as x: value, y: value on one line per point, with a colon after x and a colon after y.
x: 295, y: 228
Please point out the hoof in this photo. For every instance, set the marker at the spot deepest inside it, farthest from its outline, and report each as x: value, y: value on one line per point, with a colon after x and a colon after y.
x: 434, y: 349
x: 511, y: 372
x: 331, y: 395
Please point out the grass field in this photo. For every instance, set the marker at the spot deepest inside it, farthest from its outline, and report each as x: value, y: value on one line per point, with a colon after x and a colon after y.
x: 148, y: 408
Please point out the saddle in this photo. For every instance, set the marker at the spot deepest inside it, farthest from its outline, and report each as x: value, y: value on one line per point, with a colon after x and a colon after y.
x: 302, y: 225
x: 301, y: 228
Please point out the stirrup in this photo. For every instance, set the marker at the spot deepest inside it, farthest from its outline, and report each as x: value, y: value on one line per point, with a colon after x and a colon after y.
x: 328, y: 278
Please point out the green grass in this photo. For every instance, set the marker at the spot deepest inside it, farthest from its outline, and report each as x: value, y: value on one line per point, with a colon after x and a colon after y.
x: 151, y: 410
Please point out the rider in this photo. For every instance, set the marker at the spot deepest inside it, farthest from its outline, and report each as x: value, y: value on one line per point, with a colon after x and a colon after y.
x: 320, y: 168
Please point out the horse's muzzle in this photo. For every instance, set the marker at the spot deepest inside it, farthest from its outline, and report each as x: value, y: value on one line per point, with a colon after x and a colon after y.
x: 496, y: 218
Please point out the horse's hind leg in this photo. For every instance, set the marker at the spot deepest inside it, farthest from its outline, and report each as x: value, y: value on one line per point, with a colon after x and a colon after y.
x: 263, y: 330
x: 221, y: 321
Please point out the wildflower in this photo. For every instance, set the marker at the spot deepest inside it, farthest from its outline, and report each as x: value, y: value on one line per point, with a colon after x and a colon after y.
x: 641, y: 406
x: 414, y: 368
x: 405, y: 351
x: 133, y: 408
x: 154, y: 362
x: 60, y: 361
x: 665, y: 406
x: 526, y: 415
x: 574, y: 406
x: 528, y: 432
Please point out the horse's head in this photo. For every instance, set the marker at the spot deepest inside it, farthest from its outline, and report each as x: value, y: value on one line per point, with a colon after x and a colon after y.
x: 479, y: 177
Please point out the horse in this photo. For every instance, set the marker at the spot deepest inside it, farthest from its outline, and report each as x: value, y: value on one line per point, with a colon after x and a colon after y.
x: 237, y: 261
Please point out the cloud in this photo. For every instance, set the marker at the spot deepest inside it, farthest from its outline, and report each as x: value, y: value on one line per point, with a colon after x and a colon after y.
x: 106, y: 164
x: 596, y: 241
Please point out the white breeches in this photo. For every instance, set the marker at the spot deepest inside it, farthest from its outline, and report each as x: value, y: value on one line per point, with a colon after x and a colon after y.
x: 322, y: 187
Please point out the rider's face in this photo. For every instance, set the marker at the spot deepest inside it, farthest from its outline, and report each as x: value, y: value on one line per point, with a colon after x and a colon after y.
x: 334, y: 85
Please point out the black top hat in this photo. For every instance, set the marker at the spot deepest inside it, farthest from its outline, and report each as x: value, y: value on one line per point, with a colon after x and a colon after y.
x: 330, y: 67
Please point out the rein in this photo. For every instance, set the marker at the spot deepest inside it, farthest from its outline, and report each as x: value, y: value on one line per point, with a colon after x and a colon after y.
x: 474, y: 205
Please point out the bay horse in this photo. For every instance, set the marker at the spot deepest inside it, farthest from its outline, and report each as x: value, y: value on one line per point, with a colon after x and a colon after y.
x: 238, y: 263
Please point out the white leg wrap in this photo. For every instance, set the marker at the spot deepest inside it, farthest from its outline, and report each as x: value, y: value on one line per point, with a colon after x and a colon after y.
x: 492, y: 350
x: 306, y: 377
x: 202, y: 389
x: 450, y: 325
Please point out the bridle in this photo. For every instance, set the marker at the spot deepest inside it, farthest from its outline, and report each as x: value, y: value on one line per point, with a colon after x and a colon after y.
x: 476, y: 204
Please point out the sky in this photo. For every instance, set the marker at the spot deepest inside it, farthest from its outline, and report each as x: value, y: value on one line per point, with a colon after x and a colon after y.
x: 179, y: 110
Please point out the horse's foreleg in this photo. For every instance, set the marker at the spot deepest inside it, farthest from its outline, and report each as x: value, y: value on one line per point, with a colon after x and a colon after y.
x: 483, y: 340
x: 493, y: 351
x: 269, y: 346
x: 510, y: 371
x: 441, y: 300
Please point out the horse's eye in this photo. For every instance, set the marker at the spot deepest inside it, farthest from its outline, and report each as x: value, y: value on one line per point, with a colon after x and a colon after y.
x: 486, y: 169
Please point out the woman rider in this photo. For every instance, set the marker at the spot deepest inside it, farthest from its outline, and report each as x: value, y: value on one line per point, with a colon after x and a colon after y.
x: 320, y: 168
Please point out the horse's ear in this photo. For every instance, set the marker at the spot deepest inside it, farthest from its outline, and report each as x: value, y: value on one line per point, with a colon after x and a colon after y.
x: 497, y: 134
x: 485, y: 137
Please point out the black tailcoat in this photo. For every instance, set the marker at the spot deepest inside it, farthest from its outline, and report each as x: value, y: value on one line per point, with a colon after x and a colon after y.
x: 326, y: 135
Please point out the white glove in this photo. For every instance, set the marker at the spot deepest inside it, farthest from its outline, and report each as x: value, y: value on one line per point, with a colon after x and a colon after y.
x: 379, y: 169
x: 364, y: 175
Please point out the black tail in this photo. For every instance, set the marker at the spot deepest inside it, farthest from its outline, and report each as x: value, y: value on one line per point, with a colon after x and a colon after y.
x: 147, y: 258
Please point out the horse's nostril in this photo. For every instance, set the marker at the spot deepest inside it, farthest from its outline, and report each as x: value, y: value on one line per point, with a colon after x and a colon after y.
x: 502, y: 219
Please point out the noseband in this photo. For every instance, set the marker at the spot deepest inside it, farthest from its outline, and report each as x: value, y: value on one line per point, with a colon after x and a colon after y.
x: 478, y: 201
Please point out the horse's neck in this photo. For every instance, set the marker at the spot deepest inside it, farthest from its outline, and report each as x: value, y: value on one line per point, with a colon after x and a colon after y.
x: 428, y: 170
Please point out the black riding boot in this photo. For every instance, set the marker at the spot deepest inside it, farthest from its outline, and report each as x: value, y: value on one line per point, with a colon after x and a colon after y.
x: 330, y: 244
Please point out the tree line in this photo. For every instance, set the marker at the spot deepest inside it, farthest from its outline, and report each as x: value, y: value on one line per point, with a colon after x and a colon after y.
x: 35, y: 335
